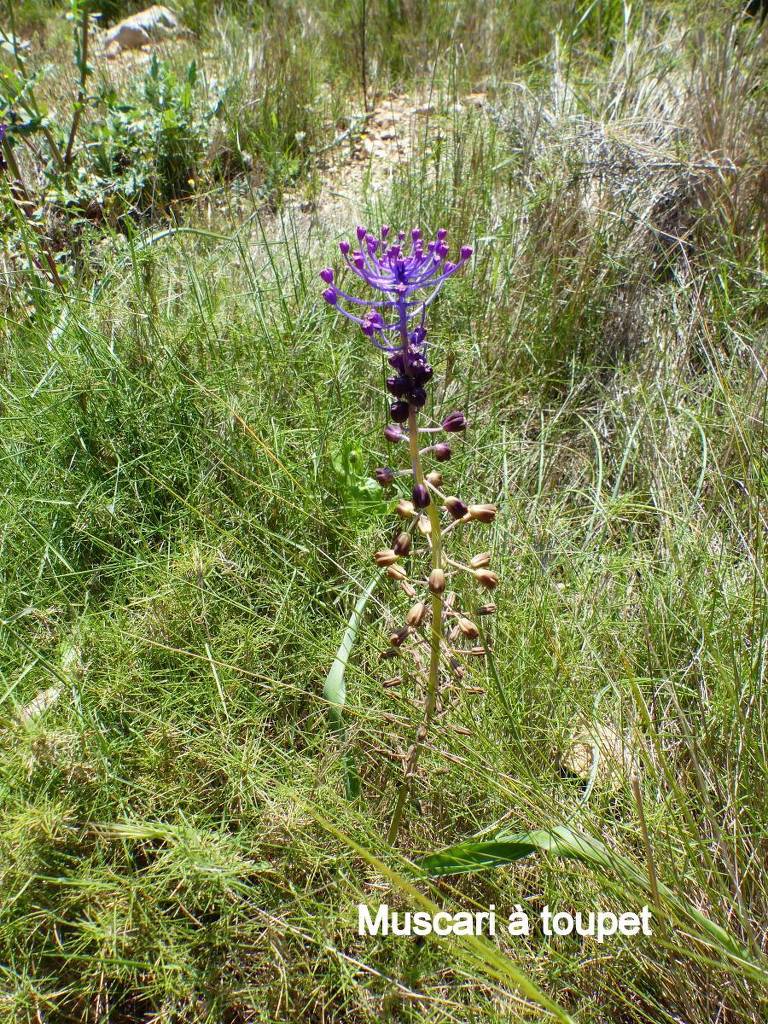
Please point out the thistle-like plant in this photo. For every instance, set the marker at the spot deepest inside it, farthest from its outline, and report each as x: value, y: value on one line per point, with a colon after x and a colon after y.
x: 406, y: 280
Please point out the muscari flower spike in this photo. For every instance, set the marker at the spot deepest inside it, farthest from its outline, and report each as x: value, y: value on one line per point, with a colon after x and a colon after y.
x: 406, y: 279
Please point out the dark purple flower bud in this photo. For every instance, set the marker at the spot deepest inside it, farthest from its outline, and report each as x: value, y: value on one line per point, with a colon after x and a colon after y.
x: 327, y: 275
x: 3, y: 130
x: 394, y: 434
x: 344, y: 248
x: 397, y: 362
x: 361, y: 233
x: 442, y: 451
x: 418, y: 397
x: 398, y: 411
x: 420, y: 496
x: 384, y: 476
x: 416, y: 234
x: 422, y: 374
x: 358, y: 259
x: 398, y: 386
x: 456, y: 507
x: 441, y: 234
x: 384, y: 230
x: 454, y: 422
x: 330, y: 296
x: 466, y: 251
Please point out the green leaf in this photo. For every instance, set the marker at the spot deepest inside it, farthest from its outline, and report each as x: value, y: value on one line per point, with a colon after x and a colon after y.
x: 563, y: 842
x: 493, y: 853
x: 335, y: 688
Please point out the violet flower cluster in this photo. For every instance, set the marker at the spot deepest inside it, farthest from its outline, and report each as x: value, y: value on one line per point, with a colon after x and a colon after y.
x: 408, y: 282
x: 405, y: 280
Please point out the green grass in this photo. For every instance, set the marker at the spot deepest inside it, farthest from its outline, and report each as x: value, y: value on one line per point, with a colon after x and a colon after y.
x: 185, y: 528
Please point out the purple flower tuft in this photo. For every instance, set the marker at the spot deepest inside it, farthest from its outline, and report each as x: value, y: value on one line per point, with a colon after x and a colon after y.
x: 327, y: 275
x: 408, y: 281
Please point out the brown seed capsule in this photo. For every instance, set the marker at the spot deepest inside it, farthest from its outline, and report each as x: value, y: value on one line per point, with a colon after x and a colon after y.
x: 486, y: 609
x: 424, y: 525
x: 435, y: 477
x: 454, y: 634
x: 397, y: 638
x: 483, y: 513
x: 396, y: 572
x: 461, y: 730
x: 486, y: 578
x: 388, y: 684
x: 405, y: 509
x: 402, y: 544
x: 408, y: 589
x: 479, y: 561
x: 437, y: 581
x: 455, y: 506
x: 416, y: 614
x: 478, y: 652
x: 385, y: 557
x: 468, y: 628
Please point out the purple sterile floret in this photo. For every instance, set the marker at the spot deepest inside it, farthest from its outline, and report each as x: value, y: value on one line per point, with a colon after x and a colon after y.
x: 407, y: 280
x: 327, y: 275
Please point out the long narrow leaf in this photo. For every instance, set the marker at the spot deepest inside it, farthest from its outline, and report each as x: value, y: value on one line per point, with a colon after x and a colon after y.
x: 563, y: 842
x: 335, y: 687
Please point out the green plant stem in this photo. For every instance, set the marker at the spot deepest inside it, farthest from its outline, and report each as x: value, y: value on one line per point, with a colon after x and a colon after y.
x: 436, y: 636
x: 82, y: 93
